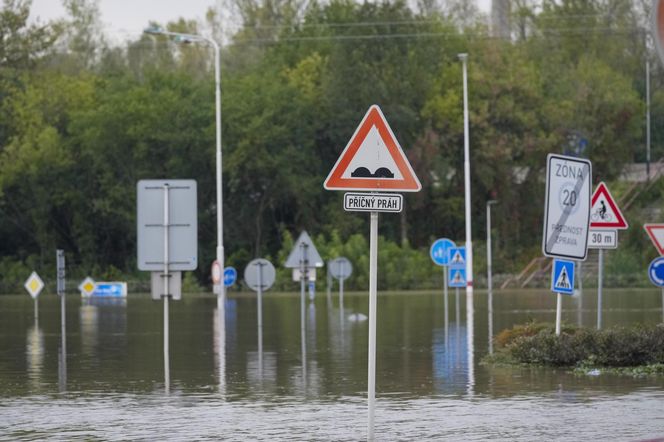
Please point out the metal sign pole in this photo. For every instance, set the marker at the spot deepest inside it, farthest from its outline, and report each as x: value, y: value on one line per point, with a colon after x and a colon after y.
x: 445, y: 283
x: 62, y: 375
x: 599, y: 288
x: 165, y: 276
x: 559, y: 311
x: 260, y: 320
x: 303, y: 278
x: 663, y: 305
x: 447, y: 311
x: 36, y: 311
x: 373, y: 273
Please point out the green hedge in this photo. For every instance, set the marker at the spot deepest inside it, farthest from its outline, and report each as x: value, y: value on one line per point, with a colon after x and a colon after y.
x: 615, y: 347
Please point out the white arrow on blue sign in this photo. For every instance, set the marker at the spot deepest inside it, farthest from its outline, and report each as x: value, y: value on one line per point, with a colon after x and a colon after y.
x: 562, y: 276
x: 230, y: 275
x: 440, y: 251
x: 457, y: 257
x: 656, y: 271
x: 457, y: 277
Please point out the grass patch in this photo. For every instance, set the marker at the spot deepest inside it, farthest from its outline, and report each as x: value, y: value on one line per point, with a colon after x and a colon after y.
x: 637, y: 350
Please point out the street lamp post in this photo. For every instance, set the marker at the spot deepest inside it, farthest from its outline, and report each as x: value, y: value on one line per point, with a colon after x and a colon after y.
x: 466, y: 167
x: 192, y: 38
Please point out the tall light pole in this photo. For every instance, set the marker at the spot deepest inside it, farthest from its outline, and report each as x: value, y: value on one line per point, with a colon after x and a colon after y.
x: 470, y: 312
x: 466, y: 170
x: 489, y: 276
x: 193, y: 38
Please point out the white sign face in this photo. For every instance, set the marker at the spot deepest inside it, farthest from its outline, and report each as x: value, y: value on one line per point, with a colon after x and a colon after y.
x: 182, y: 224
x: 567, y: 207
x: 603, y: 239
x: 34, y: 284
x: 372, y: 202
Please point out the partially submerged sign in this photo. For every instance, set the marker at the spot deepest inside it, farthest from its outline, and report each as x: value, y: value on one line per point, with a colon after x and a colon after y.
x: 567, y: 207
x: 259, y: 274
x: 373, y: 160
x: 373, y: 202
x: 457, y: 277
x: 34, y: 285
x: 304, y: 254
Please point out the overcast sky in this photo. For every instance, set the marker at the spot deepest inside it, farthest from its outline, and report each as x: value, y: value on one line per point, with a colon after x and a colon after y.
x: 132, y: 16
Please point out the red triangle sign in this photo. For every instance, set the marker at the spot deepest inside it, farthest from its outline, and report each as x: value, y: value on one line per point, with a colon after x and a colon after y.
x: 373, y: 160
x: 604, y: 212
x: 656, y: 234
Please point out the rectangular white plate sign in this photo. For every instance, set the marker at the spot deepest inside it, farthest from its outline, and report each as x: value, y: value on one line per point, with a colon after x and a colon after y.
x: 603, y: 239
x: 373, y: 202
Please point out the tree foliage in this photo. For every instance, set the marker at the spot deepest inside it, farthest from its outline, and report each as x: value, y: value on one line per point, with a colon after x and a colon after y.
x: 82, y: 121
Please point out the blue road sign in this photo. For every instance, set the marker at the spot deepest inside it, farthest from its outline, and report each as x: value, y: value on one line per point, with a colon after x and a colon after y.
x: 457, y: 277
x: 562, y: 276
x: 457, y: 257
x: 656, y: 271
x: 110, y: 289
x: 439, y: 251
x: 230, y: 275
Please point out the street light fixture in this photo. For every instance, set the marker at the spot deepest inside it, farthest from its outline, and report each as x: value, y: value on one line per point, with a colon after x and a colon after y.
x: 194, y: 38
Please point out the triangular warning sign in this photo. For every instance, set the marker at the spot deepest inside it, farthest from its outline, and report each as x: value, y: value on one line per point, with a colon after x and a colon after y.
x: 604, y: 212
x: 304, y: 254
x: 656, y: 234
x: 373, y: 160
x: 458, y: 277
x: 563, y: 282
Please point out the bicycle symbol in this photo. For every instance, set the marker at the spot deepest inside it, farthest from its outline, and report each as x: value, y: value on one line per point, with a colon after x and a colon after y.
x: 601, y: 214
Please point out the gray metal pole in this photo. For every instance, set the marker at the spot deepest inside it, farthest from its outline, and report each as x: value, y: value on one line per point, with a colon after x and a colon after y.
x: 559, y: 312
x: 166, y: 277
x: 466, y: 169
x: 373, y: 279
x: 599, y: 288
x: 62, y: 375
x: 303, y: 338
x: 648, y: 119
x: 260, y: 320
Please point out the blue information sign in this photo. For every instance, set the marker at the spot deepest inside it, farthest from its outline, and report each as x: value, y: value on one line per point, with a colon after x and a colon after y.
x: 656, y: 271
x: 439, y: 251
x: 457, y: 257
x: 457, y: 277
x: 230, y: 275
x: 562, y: 277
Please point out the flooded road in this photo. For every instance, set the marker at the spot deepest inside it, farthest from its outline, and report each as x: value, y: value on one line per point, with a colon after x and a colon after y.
x: 430, y: 381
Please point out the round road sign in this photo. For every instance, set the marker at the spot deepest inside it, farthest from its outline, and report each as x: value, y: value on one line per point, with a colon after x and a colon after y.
x: 230, y: 275
x: 656, y: 271
x: 259, y: 273
x: 439, y: 251
x: 341, y: 268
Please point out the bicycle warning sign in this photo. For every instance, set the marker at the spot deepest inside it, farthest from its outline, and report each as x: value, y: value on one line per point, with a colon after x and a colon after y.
x: 604, y: 212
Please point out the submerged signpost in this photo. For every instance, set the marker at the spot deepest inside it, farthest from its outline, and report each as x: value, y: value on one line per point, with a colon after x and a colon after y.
x: 373, y: 161
x: 259, y: 275
x: 566, y: 212
x: 605, y: 221
x: 167, y: 241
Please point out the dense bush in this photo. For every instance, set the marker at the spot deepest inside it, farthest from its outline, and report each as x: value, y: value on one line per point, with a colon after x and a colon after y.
x: 535, y: 343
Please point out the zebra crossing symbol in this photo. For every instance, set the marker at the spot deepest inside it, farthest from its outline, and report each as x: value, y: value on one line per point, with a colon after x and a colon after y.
x: 457, y: 277
x: 562, y: 277
x: 457, y: 257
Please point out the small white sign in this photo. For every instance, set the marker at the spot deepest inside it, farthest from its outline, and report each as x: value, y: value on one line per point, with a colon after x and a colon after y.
x: 372, y: 202
x: 34, y: 285
x: 603, y: 239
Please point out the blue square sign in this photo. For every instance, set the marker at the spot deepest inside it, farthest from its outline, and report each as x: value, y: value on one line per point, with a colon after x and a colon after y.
x: 562, y: 276
x: 457, y: 257
x: 457, y: 277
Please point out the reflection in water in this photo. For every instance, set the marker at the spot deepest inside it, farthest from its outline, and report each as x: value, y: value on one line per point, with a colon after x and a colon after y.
x: 34, y: 351
x: 89, y: 317
x: 490, y: 319
x: 450, y: 361
x: 219, y: 343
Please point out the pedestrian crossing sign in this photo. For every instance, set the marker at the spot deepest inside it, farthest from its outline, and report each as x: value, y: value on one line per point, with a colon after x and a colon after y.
x: 562, y: 276
x: 457, y: 257
x: 457, y: 277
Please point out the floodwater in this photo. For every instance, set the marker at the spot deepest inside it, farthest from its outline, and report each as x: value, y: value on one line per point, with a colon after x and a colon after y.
x: 226, y: 384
